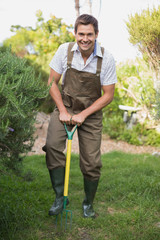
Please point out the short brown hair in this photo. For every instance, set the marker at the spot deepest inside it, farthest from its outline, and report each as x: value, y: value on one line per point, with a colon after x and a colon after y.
x: 86, y: 19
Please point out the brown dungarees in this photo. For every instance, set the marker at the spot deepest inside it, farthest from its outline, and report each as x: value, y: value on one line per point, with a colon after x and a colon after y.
x: 80, y: 90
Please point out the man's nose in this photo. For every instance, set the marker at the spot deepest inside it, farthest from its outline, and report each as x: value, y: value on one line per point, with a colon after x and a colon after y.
x: 85, y: 38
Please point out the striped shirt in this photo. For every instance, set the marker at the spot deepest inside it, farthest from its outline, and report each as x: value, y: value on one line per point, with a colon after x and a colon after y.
x: 108, y: 70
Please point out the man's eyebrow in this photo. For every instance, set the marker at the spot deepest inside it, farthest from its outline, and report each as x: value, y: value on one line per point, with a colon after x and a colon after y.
x: 86, y: 33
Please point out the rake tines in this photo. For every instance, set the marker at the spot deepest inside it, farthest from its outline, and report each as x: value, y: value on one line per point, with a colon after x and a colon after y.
x: 65, y: 218
x: 67, y: 214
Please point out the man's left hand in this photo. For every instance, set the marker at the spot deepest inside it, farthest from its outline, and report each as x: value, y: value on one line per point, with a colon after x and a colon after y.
x: 78, y: 119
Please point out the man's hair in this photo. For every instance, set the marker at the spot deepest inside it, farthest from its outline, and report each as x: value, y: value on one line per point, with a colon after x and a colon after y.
x: 86, y: 19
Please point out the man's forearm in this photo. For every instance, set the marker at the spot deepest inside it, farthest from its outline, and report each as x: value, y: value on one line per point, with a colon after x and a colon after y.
x: 56, y: 96
x: 102, y: 101
x: 97, y: 105
x: 64, y: 116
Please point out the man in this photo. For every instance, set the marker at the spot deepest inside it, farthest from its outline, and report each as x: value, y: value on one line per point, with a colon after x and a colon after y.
x: 87, y: 69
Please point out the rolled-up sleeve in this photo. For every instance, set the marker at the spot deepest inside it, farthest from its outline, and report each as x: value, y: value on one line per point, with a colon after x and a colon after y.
x: 58, y: 61
x: 108, y: 73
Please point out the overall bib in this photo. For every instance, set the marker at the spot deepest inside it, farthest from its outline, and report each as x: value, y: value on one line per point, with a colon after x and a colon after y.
x: 79, y: 91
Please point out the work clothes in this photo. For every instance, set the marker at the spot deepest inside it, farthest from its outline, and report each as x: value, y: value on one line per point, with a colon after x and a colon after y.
x: 108, y: 69
x: 79, y: 91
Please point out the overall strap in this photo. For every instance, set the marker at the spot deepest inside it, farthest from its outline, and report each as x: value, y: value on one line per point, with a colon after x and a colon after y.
x: 99, y: 63
x: 70, y: 54
x: 70, y: 57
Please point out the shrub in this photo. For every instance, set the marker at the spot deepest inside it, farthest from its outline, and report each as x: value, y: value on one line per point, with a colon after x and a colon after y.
x: 138, y: 135
x: 20, y: 94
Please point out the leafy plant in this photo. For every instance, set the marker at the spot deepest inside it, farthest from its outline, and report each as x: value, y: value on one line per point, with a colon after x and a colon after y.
x: 134, y: 88
x: 20, y: 94
x: 144, y: 30
x: 40, y: 44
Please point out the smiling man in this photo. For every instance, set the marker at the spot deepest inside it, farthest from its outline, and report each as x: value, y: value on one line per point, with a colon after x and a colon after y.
x: 86, y: 69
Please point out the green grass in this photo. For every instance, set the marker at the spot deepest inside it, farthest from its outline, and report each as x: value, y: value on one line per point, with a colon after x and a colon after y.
x: 127, y: 201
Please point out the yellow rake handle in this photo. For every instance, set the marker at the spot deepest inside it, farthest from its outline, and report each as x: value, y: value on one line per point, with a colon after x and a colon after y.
x: 68, y: 160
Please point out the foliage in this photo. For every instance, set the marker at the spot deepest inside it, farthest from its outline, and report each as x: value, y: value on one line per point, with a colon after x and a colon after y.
x: 20, y: 94
x: 135, y: 84
x: 46, y: 104
x: 158, y: 104
x: 40, y: 44
x: 126, y: 203
x: 134, y: 88
x: 144, y: 30
x: 113, y: 124
x: 138, y: 135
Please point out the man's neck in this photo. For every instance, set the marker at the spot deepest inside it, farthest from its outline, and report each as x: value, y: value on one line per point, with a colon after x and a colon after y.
x: 86, y: 55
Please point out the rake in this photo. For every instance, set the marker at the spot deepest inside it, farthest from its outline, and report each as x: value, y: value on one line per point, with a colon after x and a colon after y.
x: 65, y: 211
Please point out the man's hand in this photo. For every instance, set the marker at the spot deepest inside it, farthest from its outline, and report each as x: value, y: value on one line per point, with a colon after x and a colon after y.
x: 65, y: 117
x: 78, y: 119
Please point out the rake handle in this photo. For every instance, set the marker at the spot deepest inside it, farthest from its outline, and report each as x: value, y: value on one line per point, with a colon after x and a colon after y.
x: 68, y: 160
x: 67, y: 169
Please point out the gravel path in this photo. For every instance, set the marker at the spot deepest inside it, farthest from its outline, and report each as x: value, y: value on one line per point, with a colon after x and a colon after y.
x: 108, y: 145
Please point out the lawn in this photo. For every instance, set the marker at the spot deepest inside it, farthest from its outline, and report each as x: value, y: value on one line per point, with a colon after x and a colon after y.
x: 127, y: 201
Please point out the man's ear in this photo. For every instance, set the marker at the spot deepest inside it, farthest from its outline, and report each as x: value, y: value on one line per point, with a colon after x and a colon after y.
x: 97, y: 34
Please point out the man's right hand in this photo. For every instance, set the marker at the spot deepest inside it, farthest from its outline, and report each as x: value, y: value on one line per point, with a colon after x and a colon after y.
x: 65, y: 117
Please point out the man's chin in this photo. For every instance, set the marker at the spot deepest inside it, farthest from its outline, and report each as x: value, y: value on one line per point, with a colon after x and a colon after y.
x: 85, y: 49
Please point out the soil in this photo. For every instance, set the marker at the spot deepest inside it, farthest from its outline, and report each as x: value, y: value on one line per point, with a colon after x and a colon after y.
x: 107, y: 145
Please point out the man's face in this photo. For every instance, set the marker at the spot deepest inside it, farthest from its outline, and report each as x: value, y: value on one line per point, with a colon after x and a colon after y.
x: 86, y: 37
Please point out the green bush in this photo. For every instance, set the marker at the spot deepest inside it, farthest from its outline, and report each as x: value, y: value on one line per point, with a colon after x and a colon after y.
x: 20, y: 94
x: 113, y: 126
x: 153, y: 138
x: 138, y: 135
x: 47, y: 104
x: 134, y: 88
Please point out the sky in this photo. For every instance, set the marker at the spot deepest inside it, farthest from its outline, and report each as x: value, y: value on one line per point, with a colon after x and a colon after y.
x: 112, y: 14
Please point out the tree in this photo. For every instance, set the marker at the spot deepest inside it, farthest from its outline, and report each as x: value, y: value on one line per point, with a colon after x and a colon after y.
x: 77, y: 8
x: 87, y: 3
x: 39, y: 45
x: 20, y: 94
x: 144, y: 30
x: 44, y: 40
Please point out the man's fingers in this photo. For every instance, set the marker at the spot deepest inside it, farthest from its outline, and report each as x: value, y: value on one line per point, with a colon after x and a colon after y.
x: 76, y: 123
x: 66, y: 119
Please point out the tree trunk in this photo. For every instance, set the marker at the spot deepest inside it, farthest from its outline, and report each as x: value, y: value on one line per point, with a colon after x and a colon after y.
x: 77, y: 7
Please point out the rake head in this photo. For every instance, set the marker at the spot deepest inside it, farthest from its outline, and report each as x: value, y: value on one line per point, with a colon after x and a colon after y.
x: 65, y: 217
